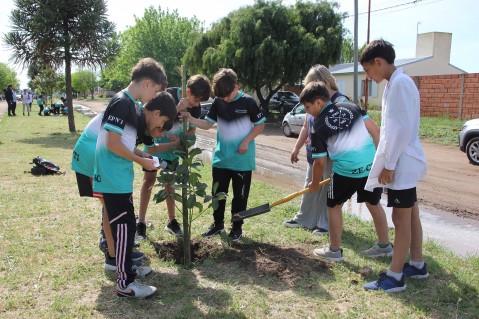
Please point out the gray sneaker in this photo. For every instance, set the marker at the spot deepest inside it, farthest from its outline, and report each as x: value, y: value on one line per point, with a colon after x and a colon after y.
x: 320, y: 232
x: 377, y: 251
x: 292, y: 223
x: 142, y: 271
x: 326, y: 252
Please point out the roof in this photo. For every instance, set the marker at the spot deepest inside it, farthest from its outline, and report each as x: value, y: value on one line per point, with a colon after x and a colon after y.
x: 349, y: 67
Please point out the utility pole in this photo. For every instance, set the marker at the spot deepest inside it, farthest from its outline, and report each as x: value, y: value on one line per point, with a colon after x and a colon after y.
x: 366, y: 82
x: 356, y: 101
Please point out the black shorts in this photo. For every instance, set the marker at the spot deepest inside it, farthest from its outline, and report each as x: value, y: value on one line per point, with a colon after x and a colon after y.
x: 342, y: 188
x: 120, y: 208
x: 85, y: 186
x: 402, y: 198
x: 162, y: 160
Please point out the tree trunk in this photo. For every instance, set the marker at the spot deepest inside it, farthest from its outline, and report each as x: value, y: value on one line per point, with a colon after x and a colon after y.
x: 68, y: 83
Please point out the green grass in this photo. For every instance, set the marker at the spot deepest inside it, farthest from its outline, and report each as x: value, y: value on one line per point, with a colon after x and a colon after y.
x: 50, y: 266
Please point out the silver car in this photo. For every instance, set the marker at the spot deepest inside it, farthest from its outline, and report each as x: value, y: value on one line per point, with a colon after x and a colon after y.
x: 294, y: 120
x: 469, y: 140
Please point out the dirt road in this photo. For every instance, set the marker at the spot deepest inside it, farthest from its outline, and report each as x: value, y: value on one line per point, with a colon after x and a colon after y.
x: 451, y: 184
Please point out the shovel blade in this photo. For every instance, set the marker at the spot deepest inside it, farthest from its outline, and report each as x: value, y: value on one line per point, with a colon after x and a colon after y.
x: 251, y: 212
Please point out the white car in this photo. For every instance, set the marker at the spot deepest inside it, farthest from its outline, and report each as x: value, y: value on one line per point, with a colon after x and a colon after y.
x: 294, y: 120
x: 469, y: 140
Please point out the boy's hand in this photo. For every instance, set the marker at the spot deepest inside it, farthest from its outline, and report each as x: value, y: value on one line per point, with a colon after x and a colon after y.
x: 184, y: 114
x: 182, y: 105
x: 314, y: 187
x: 174, y: 139
x: 243, y: 147
x: 386, y: 176
x: 294, y: 156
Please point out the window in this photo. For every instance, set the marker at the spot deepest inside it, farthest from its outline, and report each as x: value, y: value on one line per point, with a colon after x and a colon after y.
x: 372, y: 88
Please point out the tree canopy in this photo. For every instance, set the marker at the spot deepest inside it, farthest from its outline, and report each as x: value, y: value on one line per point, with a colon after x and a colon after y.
x: 7, y: 76
x: 61, y: 32
x: 84, y: 81
x: 49, y: 81
x: 269, y: 44
x: 159, y: 34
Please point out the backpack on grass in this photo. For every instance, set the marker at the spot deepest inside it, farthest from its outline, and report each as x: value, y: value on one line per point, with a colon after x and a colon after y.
x: 44, y: 167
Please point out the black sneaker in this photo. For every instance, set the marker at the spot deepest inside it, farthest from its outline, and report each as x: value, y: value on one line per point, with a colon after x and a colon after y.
x: 103, y: 246
x: 235, y: 234
x: 174, y: 228
x: 141, y: 231
x: 213, y: 230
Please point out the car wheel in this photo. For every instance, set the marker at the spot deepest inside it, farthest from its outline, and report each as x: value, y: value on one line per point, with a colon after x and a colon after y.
x: 287, y: 130
x: 472, y: 149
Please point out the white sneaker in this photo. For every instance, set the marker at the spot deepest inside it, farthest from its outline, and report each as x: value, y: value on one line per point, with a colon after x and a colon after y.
x: 326, y: 252
x: 377, y: 251
x: 136, y: 290
x: 142, y: 271
x: 292, y: 223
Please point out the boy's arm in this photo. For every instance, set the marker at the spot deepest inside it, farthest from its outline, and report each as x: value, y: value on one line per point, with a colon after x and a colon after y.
x: 116, y: 146
x: 303, y: 135
x: 202, y: 124
x: 255, y: 131
x: 373, y: 130
x: 164, y: 147
x: 318, y: 169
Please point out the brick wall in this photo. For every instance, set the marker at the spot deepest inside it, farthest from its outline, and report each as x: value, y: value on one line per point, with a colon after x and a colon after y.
x: 452, y: 95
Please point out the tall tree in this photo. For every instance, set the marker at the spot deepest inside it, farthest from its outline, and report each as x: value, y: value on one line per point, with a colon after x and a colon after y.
x: 84, y: 81
x: 269, y: 44
x: 162, y: 35
x: 7, y: 76
x: 347, y: 50
x: 60, y: 33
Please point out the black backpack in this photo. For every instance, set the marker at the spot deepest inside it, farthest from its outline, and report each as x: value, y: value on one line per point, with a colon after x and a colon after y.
x: 44, y: 167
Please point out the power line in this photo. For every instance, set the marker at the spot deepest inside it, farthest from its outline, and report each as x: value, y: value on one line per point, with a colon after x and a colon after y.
x: 414, y: 3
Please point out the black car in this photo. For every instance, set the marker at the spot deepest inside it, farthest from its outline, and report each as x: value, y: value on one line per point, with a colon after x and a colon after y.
x: 205, y: 108
x: 283, y: 101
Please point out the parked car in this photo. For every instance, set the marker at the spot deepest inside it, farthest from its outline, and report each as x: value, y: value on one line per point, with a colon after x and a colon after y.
x: 205, y: 108
x: 469, y: 140
x: 294, y: 120
x: 283, y: 101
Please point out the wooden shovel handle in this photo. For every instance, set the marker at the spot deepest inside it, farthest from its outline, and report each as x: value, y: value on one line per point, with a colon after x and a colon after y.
x: 290, y: 197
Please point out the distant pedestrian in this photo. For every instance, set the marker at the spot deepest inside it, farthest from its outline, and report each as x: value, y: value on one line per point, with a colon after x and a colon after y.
x: 11, y: 100
x: 26, y: 101
x: 40, y: 103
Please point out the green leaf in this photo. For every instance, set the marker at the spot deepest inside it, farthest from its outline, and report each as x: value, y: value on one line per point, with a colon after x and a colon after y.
x: 177, y: 197
x: 195, y: 151
x: 160, y: 196
x: 191, y: 201
x: 199, y: 206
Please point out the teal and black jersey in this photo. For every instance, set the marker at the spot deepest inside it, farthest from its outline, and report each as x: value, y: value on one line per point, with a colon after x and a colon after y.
x: 83, y: 159
x: 340, y: 133
x: 177, y: 128
x: 234, y: 120
x: 113, y: 173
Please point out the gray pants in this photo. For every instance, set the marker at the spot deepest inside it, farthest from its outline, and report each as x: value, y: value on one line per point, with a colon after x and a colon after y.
x: 313, y: 211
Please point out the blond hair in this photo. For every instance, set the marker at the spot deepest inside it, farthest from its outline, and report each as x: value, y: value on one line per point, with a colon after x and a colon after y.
x: 319, y: 72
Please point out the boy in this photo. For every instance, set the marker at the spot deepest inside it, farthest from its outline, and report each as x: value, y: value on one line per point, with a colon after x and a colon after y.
x: 398, y: 165
x: 123, y: 125
x: 11, y: 100
x: 40, y: 103
x: 26, y: 101
x: 198, y: 89
x: 239, y: 120
x: 83, y: 161
x: 339, y: 132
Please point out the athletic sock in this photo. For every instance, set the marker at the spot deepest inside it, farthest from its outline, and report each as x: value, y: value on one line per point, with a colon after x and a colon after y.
x: 417, y: 264
x: 383, y: 245
x: 334, y: 250
x: 395, y: 275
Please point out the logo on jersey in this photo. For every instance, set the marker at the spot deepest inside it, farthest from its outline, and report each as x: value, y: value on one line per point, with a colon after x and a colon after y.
x: 241, y: 111
x: 116, y: 120
x: 339, y: 119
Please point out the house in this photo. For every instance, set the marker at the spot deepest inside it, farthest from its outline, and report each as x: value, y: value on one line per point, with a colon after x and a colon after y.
x: 433, y: 52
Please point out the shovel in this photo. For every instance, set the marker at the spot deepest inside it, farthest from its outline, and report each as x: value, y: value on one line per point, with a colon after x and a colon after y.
x: 267, y: 207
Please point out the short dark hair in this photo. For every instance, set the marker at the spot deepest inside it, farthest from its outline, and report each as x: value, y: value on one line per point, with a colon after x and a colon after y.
x: 200, y: 86
x: 165, y: 103
x: 224, y: 82
x: 378, y: 49
x: 149, y: 68
x: 313, y: 91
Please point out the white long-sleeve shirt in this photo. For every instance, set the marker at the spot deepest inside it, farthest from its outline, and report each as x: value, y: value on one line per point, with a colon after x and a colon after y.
x: 399, y: 147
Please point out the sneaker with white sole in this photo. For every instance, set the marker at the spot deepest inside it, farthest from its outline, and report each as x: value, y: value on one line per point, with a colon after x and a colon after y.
x: 174, y: 228
x: 110, y: 263
x: 213, y: 230
x: 410, y: 271
x: 292, y: 224
x: 378, y: 251
x: 387, y: 284
x: 327, y: 253
x: 142, y: 271
x: 140, y: 231
x: 136, y: 290
x: 320, y: 232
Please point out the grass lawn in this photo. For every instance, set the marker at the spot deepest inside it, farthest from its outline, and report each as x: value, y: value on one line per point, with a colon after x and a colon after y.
x: 51, y: 267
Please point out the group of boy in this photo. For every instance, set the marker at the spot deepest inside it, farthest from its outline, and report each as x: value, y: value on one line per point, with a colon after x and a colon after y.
x: 337, y: 130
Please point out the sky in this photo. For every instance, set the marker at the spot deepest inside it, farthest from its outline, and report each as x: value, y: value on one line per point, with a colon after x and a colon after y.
x: 396, y: 21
